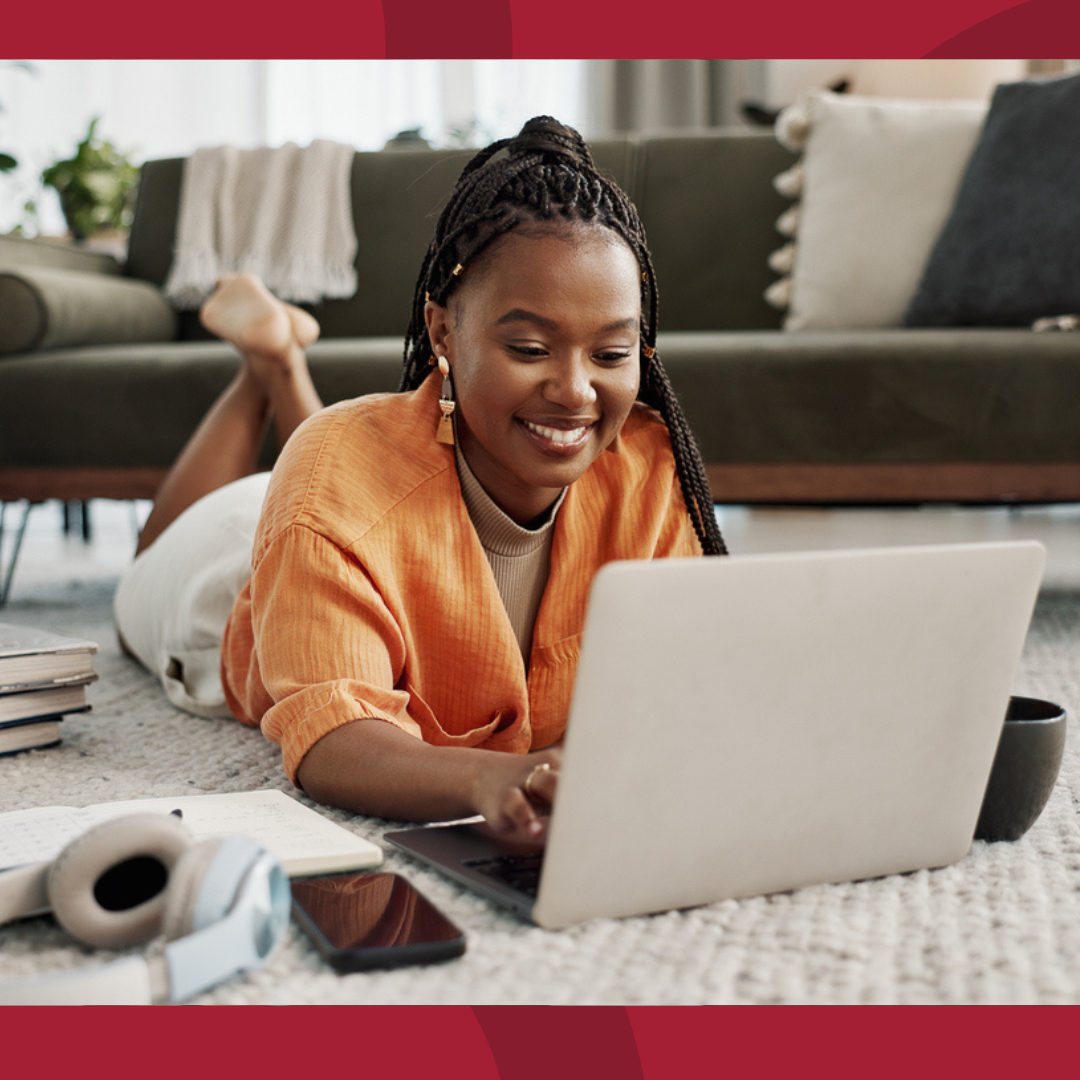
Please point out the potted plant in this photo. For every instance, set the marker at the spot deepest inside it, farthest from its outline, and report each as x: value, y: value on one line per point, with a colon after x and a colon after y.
x: 96, y: 186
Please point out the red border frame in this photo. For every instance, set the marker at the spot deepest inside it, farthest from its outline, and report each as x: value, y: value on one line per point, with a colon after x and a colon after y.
x: 523, y: 28
x: 563, y: 1043
x: 651, y: 1043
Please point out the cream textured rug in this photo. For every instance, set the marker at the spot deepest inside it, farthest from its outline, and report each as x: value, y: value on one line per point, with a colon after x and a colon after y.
x: 1001, y: 926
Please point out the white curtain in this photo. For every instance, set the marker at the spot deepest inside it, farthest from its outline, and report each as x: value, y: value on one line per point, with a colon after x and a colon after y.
x: 168, y: 108
x: 364, y: 102
x: 657, y: 95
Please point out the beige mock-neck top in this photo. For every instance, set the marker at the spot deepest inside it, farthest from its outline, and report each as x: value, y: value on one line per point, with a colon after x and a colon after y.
x: 520, y: 558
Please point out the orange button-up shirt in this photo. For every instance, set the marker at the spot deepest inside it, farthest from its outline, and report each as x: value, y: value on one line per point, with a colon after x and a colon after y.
x: 371, y: 597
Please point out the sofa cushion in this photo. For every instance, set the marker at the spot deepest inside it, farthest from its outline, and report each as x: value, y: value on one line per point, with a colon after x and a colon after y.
x: 877, y: 182
x: 49, y: 308
x: 881, y: 396
x: 878, y: 396
x: 17, y: 252
x: 707, y: 207
x: 1010, y: 251
x: 135, y: 406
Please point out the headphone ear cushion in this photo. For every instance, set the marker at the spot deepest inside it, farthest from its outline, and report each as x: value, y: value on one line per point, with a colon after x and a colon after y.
x: 108, y: 887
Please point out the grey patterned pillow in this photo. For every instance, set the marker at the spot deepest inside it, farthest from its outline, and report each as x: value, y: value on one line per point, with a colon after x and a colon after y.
x: 1010, y: 251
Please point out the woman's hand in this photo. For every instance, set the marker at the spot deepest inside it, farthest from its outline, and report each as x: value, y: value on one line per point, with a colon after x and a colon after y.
x: 373, y: 767
x: 515, y: 792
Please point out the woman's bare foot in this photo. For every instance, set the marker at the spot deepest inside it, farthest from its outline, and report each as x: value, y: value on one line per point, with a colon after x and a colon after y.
x: 305, y: 327
x: 271, y: 336
x: 245, y: 313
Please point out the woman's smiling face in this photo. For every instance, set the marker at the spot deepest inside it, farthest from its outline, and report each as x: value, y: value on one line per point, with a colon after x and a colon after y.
x: 542, y: 338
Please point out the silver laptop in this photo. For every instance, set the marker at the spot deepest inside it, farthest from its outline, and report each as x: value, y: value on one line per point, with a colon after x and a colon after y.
x: 753, y: 724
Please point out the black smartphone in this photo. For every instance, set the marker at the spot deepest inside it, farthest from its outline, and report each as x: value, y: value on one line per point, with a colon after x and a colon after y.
x: 365, y: 921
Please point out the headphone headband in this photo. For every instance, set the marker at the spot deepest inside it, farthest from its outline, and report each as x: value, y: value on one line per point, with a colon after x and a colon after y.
x: 224, y: 905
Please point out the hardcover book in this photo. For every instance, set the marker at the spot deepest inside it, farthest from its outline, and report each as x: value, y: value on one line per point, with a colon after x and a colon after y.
x: 31, y: 657
x: 37, y: 702
x: 22, y: 735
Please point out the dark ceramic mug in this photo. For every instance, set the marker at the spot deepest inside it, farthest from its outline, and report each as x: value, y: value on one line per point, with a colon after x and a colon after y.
x: 1025, y: 767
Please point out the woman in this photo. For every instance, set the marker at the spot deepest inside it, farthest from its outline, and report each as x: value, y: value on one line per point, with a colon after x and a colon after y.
x: 408, y: 626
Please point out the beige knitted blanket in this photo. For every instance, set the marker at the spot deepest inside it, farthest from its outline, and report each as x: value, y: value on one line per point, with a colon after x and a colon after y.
x: 283, y: 213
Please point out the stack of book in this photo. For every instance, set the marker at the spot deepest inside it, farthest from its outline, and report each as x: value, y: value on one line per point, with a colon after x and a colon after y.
x: 43, y: 678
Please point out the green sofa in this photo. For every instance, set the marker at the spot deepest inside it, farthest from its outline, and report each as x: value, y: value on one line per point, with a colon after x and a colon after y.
x: 106, y: 382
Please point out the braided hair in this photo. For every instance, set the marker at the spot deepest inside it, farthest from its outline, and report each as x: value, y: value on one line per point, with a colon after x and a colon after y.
x: 547, y: 177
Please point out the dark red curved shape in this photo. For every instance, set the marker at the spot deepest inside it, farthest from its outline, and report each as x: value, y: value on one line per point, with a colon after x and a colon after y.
x: 1023, y: 30
x: 448, y: 29
x: 546, y: 1044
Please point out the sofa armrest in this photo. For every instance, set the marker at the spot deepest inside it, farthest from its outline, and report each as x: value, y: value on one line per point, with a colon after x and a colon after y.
x: 18, y: 252
x: 51, y: 308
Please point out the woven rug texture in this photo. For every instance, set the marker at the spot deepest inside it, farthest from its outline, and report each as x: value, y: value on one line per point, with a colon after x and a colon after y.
x: 1001, y: 926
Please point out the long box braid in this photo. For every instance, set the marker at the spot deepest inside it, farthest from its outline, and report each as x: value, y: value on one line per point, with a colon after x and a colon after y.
x: 547, y: 175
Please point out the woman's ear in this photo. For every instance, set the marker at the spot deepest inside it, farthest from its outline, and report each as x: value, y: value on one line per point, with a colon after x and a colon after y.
x: 436, y: 317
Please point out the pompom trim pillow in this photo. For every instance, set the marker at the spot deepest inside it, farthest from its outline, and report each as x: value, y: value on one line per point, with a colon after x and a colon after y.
x: 875, y: 184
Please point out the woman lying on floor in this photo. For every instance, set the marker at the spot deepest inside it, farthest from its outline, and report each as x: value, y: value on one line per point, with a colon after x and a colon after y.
x: 400, y: 604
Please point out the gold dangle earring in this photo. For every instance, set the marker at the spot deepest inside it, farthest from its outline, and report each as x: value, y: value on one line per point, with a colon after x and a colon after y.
x: 444, y: 433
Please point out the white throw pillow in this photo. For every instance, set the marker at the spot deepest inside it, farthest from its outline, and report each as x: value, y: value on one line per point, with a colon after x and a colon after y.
x: 878, y: 179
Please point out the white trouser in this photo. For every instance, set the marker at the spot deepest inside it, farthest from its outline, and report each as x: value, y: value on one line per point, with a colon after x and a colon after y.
x: 173, y: 602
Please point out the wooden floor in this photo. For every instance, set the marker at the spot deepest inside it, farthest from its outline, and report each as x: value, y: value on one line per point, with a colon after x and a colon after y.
x: 48, y: 553
x: 753, y: 529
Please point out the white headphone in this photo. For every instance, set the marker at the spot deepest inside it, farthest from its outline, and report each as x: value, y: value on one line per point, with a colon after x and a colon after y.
x: 222, y: 904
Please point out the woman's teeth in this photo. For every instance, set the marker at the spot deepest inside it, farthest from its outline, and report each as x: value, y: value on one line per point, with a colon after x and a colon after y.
x: 563, y: 436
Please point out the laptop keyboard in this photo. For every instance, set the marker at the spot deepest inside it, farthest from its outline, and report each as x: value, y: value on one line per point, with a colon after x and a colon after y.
x: 521, y: 872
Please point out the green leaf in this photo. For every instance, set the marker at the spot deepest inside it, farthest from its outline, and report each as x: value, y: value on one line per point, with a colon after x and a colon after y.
x: 96, y: 186
x: 7, y: 162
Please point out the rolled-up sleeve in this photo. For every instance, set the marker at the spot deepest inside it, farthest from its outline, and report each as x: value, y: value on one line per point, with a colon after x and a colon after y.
x: 328, y: 648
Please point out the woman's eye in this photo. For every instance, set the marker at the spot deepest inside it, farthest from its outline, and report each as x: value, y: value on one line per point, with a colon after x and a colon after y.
x: 529, y: 350
x: 613, y: 357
